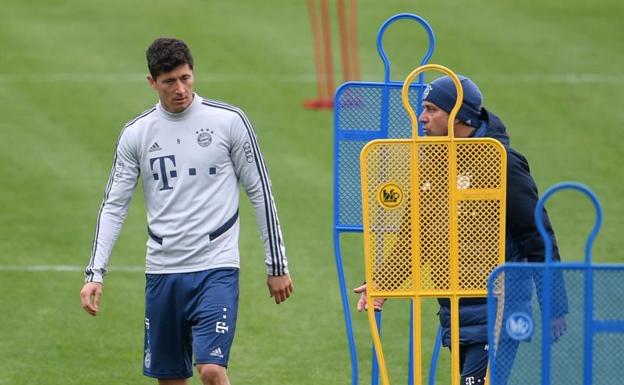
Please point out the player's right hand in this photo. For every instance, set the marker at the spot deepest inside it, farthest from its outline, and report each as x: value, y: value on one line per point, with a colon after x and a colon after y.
x: 559, y: 326
x: 362, y: 303
x: 90, y: 294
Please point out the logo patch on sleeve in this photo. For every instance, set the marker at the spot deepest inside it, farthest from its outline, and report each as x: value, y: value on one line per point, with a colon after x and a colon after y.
x: 119, y: 170
x: 248, y: 152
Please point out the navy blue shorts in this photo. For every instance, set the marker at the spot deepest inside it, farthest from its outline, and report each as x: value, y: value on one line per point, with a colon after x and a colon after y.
x: 473, y: 362
x: 189, y: 314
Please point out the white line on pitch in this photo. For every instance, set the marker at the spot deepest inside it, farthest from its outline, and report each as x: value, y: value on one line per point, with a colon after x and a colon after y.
x: 66, y: 268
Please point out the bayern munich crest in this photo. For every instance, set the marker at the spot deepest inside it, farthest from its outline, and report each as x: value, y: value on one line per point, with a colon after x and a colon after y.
x: 204, y: 137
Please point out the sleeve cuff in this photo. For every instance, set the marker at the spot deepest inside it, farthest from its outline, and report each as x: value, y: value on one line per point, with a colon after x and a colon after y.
x: 94, y: 275
x: 273, y: 273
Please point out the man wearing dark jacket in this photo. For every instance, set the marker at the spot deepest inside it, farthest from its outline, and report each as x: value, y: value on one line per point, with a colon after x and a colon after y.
x: 523, y: 241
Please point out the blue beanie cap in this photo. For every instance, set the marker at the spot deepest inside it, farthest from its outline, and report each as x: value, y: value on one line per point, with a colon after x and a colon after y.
x: 443, y: 94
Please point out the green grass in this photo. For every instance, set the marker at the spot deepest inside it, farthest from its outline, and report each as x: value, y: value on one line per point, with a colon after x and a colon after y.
x: 72, y: 73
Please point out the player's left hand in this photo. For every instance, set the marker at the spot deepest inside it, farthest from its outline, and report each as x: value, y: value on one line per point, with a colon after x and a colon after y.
x: 280, y: 287
x: 90, y: 294
x: 362, y: 303
x: 559, y: 326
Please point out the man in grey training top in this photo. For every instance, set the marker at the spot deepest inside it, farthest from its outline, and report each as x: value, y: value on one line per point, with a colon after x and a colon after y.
x: 191, y: 154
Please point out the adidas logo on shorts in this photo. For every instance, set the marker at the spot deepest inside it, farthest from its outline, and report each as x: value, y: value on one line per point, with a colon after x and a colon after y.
x: 216, y: 353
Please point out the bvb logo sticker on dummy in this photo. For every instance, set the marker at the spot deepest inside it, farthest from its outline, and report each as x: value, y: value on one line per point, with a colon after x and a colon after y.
x: 390, y: 195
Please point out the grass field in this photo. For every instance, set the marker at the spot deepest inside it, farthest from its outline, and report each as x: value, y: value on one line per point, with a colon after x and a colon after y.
x: 73, y: 72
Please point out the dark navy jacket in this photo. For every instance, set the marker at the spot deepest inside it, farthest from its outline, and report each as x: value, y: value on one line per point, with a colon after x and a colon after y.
x: 523, y: 241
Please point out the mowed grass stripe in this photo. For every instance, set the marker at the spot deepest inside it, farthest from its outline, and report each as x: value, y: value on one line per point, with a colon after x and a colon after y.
x: 579, y: 79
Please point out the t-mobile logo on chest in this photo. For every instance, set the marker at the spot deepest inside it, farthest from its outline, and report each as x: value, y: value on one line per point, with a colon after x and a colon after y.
x: 164, y: 169
x: 161, y: 170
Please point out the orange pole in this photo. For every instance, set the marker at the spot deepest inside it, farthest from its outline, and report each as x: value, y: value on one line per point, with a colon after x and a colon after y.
x: 329, y: 67
x: 318, y: 52
x: 344, y: 42
x: 355, y: 57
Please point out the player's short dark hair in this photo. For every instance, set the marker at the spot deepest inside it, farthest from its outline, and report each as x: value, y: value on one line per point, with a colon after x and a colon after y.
x: 166, y: 54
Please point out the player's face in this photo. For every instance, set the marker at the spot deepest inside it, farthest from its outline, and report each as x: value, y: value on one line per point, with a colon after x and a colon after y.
x: 175, y: 88
x: 434, y: 120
